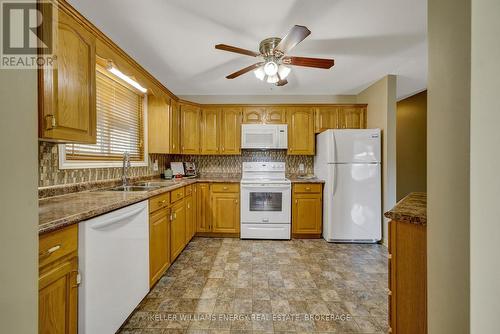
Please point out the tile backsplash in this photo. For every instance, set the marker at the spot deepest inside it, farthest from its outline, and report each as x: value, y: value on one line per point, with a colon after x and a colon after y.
x: 50, y: 174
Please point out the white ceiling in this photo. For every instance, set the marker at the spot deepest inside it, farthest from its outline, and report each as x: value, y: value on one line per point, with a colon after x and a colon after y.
x: 174, y: 40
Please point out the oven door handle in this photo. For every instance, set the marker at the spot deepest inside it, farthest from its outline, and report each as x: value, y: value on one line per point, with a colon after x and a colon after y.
x: 260, y: 186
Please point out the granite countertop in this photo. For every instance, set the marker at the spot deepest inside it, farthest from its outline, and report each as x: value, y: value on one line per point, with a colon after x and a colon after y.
x: 411, y: 209
x: 71, y: 208
x: 308, y: 179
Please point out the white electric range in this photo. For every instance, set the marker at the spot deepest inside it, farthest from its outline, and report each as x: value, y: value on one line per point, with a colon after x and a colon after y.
x: 265, y: 201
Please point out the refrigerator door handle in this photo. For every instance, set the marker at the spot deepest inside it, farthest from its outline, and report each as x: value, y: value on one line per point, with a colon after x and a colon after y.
x: 334, y: 179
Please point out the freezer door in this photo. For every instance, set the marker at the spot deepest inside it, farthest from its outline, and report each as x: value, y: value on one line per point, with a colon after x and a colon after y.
x: 353, y: 146
x: 354, y: 210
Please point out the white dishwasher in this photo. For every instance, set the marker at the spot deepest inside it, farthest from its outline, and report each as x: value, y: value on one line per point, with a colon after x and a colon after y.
x: 114, y: 263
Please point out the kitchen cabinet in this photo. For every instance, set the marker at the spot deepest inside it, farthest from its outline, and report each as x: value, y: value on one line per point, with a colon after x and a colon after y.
x: 58, y: 282
x: 203, y: 208
x: 67, y: 92
x: 159, y: 244
x: 210, y: 130
x: 307, y: 207
x: 407, y: 277
x: 225, y: 208
x: 254, y: 115
x: 177, y: 229
x: 300, y: 130
x: 190, y: 129
x: 159, y: 124
x: 230, y: 141
x: 351, y: 117
x: 325, y: 118
x: 275, y: 115
x: 175, y: 128
x: 190, y: 217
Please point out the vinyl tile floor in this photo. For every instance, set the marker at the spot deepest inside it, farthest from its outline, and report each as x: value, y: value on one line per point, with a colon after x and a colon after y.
x: 227, y: 285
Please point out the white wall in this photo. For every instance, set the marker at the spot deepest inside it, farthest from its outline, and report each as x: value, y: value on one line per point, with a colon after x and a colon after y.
x: 485, y: 162
x: 448, y: 114
x: 265, y: 99
x: 381, y: 113
x: 18, y: 202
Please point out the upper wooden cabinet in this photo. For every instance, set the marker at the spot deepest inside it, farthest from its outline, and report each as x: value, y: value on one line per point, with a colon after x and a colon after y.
x: 190, y: 129
x: 175, y: 128
x: 264, y: 115
x: 352, y: 117
x: 210, y: 130
x: 275, y: 115
x: 340, y: 117
x: 300, y: 130
x: 159, y: 124
x: 254, y: 115
x: 67, y: 95
x: 230, y: 140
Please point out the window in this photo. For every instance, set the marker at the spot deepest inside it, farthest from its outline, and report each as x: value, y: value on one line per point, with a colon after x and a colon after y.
x: 120, y: 127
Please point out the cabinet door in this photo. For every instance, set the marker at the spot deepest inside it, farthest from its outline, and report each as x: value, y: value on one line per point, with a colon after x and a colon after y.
x: 254, y: 115
x: 58, y: 299
x: 300, y: 131
x: 159, y: 244
x: 210, y: 128
x: 352, y: 117
x: 275, y: 115
x: 306, y: 214
x: 67, y: 97
x: 225, y: 213
x: 175, y: 128
x: 325, y: 118
x: 177, y: 229
x: 231, y: 131
x: 190, y: 129
x: 203, y: 207
x: 190, y: 217
x: 158, y: 124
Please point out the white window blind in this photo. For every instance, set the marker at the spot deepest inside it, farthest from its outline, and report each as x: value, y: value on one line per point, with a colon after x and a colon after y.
x: 119, y: 123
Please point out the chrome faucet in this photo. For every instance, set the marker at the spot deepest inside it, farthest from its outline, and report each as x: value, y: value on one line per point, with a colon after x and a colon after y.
x: 126, y: 166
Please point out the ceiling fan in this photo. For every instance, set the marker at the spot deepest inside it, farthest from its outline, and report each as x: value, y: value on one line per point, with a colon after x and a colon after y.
x: 273, y: 52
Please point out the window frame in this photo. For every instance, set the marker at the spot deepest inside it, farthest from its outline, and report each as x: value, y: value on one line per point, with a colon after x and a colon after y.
x: 79, y: 164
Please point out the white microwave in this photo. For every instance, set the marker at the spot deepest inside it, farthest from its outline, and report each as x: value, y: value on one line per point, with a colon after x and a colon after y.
x: 264, y: 136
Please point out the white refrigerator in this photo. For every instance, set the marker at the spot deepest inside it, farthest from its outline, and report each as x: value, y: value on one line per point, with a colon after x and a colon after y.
x: 350, y: 163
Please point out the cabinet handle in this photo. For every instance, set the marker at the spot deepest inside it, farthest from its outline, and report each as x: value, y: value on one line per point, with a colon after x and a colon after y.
x: 189, y: 206
x: 389, y: 256
x: 178, y: 194
x: 224, y: 188
x: 162, y: 202
x: 389, y: 293
x: 236, y: 201
x: 308, y: 188
x: 51, y: 250
x: 50, y: 124
x: 222, y: 148
x: 175, y: 215
x: 171, y: 217
x: 296, y: 201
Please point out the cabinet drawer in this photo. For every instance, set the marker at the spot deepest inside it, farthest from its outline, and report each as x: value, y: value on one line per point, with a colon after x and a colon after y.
x: 188, y: 190
x: 177, y: 194
x: 225, y: 187
x: 159, y: 202
x: 55, y: 245
x: 307, y: 188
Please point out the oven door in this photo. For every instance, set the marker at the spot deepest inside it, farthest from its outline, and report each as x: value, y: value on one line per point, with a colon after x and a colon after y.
x: 265, y: 203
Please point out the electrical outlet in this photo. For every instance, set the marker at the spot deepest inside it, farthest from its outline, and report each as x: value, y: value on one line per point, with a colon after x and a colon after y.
x: 301, y: 168
x: 155, y: 165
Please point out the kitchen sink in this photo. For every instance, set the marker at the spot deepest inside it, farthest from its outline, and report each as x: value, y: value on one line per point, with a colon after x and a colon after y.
x: 133, y: 188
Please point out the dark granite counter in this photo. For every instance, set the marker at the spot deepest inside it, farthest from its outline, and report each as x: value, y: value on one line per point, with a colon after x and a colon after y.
x: 411, y: 209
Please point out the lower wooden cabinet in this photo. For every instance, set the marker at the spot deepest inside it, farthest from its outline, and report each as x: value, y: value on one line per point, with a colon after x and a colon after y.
x: 190, y: 203
x: 307, y: 209
x: 58, y: 282
x: 225, y: 212
x: 177, y: 229
x: 218, y: 206
x: 407, y: 277
x: 159, y: 244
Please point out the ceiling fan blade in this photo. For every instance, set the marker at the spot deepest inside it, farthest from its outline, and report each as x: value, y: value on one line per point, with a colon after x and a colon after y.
x: 282, y: 82
x: 309, y: 62
x: 235, y: 49
x: 244, y: 70
x: 296, y: 35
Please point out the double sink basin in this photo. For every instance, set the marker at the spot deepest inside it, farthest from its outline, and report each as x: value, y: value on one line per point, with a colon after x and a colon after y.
x: 141, y: 186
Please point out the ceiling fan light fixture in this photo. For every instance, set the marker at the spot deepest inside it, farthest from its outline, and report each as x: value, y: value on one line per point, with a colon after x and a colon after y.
x: 272, y: 79
x: 271, y: 68
x: 259, y: 73
x: 283, y: 71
